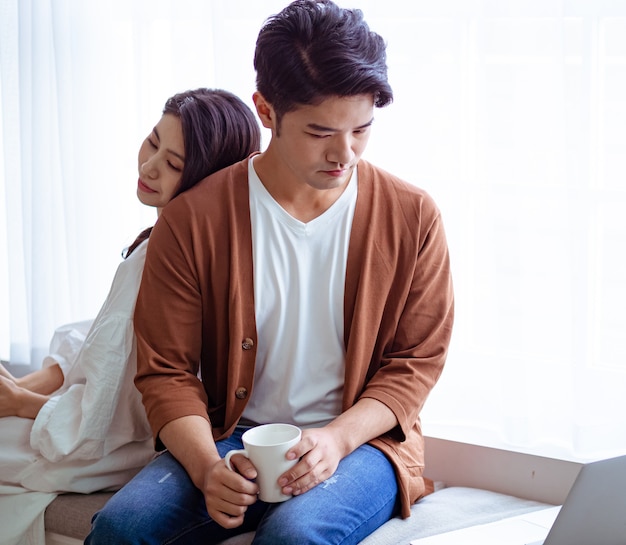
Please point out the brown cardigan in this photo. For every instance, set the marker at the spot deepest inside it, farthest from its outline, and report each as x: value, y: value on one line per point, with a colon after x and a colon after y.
x: 195, y: 310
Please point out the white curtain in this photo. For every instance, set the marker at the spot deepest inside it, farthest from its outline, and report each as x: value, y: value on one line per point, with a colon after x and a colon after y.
x: 512, y: 113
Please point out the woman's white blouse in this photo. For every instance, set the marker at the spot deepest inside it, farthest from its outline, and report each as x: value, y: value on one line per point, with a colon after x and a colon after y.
x: 93, y: 433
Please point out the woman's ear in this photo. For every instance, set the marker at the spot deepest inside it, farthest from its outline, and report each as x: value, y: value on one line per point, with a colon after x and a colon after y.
x: 264, y: 110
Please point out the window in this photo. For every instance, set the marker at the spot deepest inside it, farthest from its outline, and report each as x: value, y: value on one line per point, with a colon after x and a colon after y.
x: 512, y: 114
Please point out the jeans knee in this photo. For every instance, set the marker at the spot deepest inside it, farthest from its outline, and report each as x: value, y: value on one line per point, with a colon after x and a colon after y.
x: 111, y: 527
x: 288, y: 535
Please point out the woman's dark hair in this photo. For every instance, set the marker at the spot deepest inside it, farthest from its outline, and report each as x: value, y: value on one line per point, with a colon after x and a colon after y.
x: 218, y: 130
x: 313, y: 50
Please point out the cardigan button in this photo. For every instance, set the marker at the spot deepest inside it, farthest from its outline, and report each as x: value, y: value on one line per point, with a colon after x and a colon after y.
x: 241, y: 393
x: 247, y: 343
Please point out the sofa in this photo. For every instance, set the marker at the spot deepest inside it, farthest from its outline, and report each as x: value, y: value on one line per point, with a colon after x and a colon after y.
x: 473, y: 485
x: 67, y: 518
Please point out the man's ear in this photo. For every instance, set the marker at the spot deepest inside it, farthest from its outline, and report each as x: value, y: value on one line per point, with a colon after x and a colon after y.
x: 264, y: 110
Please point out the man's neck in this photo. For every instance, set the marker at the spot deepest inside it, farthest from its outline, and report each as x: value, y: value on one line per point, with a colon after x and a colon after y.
x: 299, y: 199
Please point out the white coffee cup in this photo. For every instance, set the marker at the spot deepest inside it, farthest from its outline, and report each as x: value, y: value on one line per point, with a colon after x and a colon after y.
x: 266, y: 447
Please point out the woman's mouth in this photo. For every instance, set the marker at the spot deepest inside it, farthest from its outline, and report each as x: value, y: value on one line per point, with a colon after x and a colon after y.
x: 143, y: 187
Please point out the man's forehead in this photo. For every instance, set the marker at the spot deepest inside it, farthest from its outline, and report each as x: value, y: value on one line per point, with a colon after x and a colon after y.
x: 334, y: 113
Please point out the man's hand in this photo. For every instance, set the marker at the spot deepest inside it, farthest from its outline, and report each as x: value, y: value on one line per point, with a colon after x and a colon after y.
x: 320, y: 451
x: 229, y: 493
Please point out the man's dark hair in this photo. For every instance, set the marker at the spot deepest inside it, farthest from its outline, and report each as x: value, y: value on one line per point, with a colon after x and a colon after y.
x: 313, y: 50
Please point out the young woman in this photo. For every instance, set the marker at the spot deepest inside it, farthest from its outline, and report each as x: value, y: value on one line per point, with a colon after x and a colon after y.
x: 78, y: 424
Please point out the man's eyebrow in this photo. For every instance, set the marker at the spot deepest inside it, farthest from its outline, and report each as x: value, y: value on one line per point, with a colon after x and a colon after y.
x: 321, y: 128
x: 181, y: 157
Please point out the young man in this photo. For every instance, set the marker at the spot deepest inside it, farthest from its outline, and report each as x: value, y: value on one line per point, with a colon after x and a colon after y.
x: 303, y: 285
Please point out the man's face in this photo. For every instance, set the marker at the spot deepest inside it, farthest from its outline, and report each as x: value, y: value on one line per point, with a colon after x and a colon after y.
x: 320, y: 145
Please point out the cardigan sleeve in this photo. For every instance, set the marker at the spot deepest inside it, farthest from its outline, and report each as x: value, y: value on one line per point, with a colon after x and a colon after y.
x: 168, y: 328
x: 400, y: 324
x: 401, y: 303
x: 416, y: 348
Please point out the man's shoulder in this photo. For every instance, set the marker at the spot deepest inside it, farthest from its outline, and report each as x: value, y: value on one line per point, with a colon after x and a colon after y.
x: 227, y: 180
x: 384, y: 184
x: 212, y: 192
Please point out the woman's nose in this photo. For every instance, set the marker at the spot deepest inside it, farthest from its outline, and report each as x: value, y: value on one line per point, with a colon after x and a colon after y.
x: 149, y: 169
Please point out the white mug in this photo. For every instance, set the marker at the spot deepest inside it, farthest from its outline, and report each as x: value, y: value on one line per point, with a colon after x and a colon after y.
x: 266, y: 447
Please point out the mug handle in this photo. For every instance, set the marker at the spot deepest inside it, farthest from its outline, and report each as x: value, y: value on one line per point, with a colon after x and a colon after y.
x: 229, y: 455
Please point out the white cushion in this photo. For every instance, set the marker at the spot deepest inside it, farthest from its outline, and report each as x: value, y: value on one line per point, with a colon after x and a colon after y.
x: 443, y: 511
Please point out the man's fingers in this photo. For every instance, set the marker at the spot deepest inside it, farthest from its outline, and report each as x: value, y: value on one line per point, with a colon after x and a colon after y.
x: 243, y: 466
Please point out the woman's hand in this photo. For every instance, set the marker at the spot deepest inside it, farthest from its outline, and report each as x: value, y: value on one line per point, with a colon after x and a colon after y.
x: 5, y: 374
x: 17, y: 401
x: 9, y: 395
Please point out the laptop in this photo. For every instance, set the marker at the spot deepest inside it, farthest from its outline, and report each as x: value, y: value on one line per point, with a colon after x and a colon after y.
x: 594, y: 513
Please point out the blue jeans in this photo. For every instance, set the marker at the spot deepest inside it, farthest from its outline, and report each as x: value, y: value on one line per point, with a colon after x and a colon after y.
x: 162, y: 506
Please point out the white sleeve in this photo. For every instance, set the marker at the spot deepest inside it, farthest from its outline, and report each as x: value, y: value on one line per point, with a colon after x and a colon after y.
x: 99, y: 409
x: 66, y: 344
x: 77, y: 421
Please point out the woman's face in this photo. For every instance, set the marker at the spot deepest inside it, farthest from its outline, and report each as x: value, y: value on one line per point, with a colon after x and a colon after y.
x: 161, y: 161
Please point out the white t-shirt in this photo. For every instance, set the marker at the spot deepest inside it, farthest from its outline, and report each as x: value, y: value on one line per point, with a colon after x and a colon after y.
x: 299, y: 278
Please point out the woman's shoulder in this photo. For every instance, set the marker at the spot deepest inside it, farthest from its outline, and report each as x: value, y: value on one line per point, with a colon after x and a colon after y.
x: 139, y: 253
